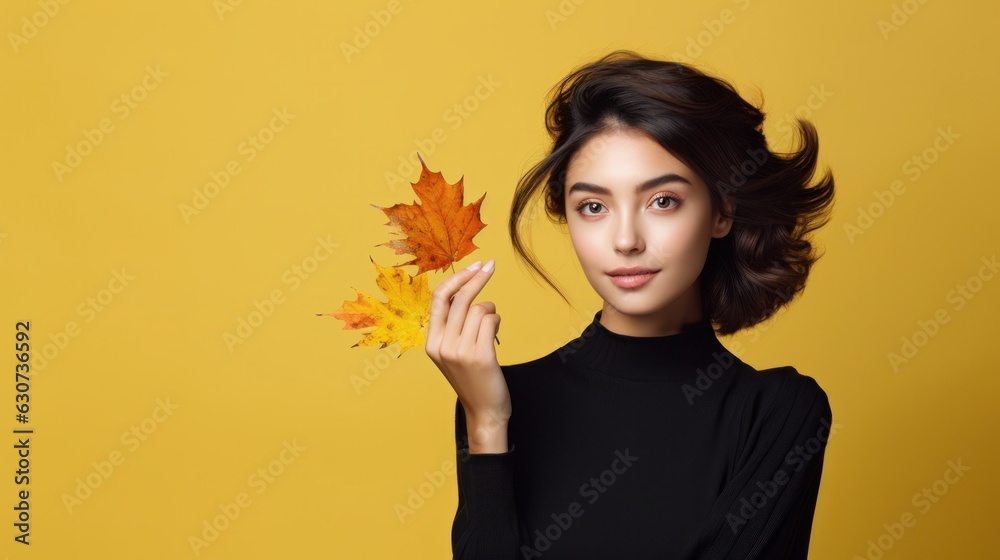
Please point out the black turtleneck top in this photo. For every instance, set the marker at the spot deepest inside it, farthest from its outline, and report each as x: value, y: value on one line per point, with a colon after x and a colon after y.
x: 666, y: 447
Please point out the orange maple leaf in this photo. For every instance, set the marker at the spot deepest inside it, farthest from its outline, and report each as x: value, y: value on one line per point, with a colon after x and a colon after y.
x: 439, y: 228
x: 402, y: 319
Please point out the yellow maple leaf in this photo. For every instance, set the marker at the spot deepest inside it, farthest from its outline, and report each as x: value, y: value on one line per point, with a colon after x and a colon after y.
x: 403, y: 318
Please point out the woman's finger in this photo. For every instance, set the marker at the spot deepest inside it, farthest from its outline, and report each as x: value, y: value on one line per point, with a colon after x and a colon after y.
x: 441, y: 304
x: 487, y: 332
x: 470, y: 332
x: 463, y: 299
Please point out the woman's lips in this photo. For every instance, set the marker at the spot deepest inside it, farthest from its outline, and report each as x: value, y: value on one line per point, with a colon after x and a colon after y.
x: 632, y: 280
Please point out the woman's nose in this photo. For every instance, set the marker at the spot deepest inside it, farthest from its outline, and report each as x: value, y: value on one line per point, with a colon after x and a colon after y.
x: 628, y: 238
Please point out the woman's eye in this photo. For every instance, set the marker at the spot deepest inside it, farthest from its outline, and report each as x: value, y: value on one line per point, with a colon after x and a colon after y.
x: 588, y: 205
x: 660, y: 203
x: 665, y: 199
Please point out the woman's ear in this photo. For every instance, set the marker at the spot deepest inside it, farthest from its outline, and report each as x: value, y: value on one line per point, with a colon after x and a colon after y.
x: 720, y: 224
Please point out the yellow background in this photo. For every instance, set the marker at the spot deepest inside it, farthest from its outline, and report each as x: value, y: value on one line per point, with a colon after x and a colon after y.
x: 222, y: 74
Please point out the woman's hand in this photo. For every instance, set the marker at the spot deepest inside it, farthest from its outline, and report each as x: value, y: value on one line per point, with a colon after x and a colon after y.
x: 460, y: 343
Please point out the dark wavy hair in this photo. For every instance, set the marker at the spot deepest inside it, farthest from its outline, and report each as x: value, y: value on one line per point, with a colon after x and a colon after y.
x: 763, y: 262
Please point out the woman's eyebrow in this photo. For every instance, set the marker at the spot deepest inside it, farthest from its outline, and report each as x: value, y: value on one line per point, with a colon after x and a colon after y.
x: 644, y: 186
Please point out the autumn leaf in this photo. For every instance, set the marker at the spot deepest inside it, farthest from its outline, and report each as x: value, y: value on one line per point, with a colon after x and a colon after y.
x: 439, y: 228
x: 403, y: 318
x: 440, y: 231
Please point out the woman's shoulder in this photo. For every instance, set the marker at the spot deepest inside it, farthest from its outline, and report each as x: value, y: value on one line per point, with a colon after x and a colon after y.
x: 540, y: 364
x: 543, y: 371
x: 786, y: 376
x: 786, y: 389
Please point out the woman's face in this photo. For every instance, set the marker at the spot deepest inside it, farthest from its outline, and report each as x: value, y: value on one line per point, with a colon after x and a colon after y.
x: 666, y: 227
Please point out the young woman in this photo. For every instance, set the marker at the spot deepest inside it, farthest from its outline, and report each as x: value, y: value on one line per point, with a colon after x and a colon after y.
x: 645, y: 437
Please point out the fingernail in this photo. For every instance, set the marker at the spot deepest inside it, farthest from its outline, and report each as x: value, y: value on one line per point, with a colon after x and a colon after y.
x: 474, y: 265
x: 489, y: 266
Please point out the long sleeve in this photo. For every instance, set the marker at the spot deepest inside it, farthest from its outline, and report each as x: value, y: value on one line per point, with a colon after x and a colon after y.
x: 486, y: 524
x: 766, y: 509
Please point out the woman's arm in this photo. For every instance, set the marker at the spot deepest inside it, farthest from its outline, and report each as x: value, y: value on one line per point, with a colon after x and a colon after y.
x: 460, y: 338
x: 486, y: 524
x: 766, y: 509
